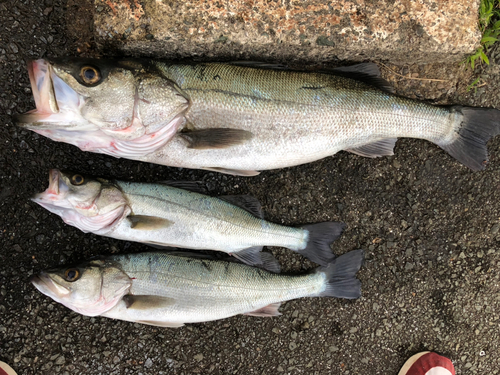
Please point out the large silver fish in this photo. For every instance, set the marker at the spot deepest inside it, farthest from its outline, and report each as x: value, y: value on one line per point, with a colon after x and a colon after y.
x: 165, y: 215
x: 239, y: 119
x: 168, y: 290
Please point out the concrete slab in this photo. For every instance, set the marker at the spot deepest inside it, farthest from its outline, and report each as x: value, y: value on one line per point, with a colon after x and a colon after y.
x: 401, y: 31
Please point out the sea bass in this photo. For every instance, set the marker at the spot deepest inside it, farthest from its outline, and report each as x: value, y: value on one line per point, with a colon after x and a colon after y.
x: 239, y: 118
x: 169, y: 290
x: 165, y: 215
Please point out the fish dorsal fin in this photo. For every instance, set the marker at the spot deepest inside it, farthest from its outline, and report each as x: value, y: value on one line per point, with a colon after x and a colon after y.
x: 269, y: 262
x: 193, y: 186
x: 160, y: 324
x: 205, y: 139
x: 384, y: 147
x: 365, y: 72
x: 259, y: 65
x: 217, y: 255
x: 145, y: 302
x: 246, y: 202
x: 234, y: 172
x: 266, y: 311
x: 143, y: 222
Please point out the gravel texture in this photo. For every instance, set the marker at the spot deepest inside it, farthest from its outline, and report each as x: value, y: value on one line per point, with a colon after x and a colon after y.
x: 430, y: 227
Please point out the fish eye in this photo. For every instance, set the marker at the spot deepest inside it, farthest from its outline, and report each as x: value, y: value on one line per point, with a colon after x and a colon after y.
x: 90, y: 75
x: 77, y: 179
x: 72, y: 274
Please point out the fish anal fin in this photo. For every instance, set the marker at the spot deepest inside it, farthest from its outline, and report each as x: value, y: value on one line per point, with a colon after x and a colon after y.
x: 246, y: 202
x: 250, y: 255
x: 234, y: 172
x: 266, y: 311
x: 145, y: 302
x: 205, y: 139
x: 160, y: 323
x: 254, y: 256
x: 384, y: 147
x: 143, y: 222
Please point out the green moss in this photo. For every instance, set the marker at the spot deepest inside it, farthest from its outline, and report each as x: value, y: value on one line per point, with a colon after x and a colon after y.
x: 489, y: 24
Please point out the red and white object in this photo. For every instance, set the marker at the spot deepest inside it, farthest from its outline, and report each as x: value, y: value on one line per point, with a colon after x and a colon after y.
x: 427, y: 363
x: 5, y: 369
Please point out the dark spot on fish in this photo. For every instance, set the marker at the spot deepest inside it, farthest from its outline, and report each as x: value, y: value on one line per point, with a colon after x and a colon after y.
x: 312, y: 87
x: 262, y: 274
x: 226, y: 266
x: 201, y: 73
x: 206, y: 265
x: 216, y: 77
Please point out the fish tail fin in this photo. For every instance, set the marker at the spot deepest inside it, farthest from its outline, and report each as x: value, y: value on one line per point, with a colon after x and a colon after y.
x: 477, y: 127
x: 321, y: 235
x: 341, y: 281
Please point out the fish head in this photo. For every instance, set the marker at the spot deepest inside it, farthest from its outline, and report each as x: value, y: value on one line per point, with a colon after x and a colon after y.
x: 90, y: 204
x: 120, y: 108
x: 90, y: 289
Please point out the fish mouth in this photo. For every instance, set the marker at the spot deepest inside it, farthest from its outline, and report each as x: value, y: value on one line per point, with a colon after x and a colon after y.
x: 44, y: 283
x: 54, y: 99
x: 55, y: 192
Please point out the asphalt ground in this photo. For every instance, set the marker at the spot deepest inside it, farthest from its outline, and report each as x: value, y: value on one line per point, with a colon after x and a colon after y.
x: 430, y: 228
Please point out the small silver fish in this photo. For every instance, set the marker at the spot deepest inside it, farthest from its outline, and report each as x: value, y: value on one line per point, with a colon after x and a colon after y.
x: 169, y: 290
x: 239, y: 119
x: 165, y: 215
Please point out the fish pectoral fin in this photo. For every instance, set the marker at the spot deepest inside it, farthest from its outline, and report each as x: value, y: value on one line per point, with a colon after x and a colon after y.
x: 160, y: 324
x: 143, y: 222
x: 384, y: 147
x: 234, y: 172
x: 144, y: 302
x: 266, y: 311
x: 205, y: 139
x: 246, y: 202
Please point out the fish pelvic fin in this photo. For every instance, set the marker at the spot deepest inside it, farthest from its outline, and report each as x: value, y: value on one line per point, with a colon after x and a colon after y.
x: 477, y: 127
x: 266, y: 311
x: 234, y: 172
x: 143, y: 222
x: 321, y: 235
x: 205, y: 139
x: 160, y: 323
x: 341, y: 281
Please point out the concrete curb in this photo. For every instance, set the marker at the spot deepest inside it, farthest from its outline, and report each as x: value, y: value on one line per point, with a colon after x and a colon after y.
x: 400, y: 31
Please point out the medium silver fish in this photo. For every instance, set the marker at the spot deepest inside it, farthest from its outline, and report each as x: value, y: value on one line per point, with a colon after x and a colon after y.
x: 165, y: 215
x: 170, y: 290
x: 239, y: 119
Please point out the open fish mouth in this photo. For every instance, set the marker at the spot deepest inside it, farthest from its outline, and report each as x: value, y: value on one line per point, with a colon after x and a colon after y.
x: 47, y: 286
x: 57, y: 104
x: 56, y: 192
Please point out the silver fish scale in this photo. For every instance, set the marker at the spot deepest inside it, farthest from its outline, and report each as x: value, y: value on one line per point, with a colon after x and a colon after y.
x: 207, y: 289
x: 200, y: 222
x: 294, y: 117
